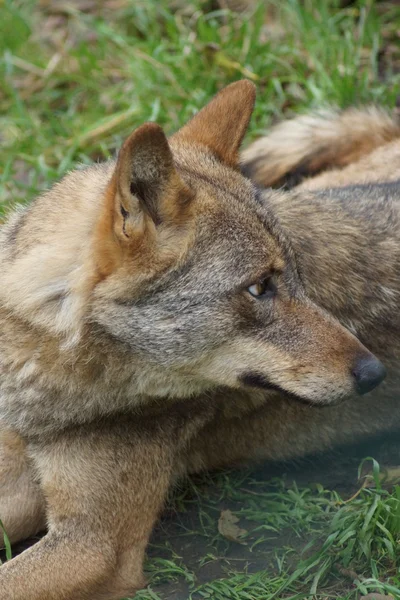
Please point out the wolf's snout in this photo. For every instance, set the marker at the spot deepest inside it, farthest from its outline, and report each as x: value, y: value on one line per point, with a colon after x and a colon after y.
x: 368, y: 372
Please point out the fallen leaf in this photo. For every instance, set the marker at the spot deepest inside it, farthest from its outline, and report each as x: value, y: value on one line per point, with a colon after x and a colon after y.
x: 229, y: 529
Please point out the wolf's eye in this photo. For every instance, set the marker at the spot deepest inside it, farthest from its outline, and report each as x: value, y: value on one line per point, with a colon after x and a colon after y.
x: 265, y: 288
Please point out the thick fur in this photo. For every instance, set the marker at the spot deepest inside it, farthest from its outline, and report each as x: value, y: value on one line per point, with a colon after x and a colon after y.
x: 322, y: 141
x: 21, y: 497
x: 132, y: 351
x: 343, y: 224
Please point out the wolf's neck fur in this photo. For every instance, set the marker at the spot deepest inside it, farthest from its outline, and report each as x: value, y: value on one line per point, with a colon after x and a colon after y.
x: 95, y: 377
x: 46, y: 275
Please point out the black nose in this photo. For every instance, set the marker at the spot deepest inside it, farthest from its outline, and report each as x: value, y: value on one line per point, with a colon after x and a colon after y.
x: 368, y: 373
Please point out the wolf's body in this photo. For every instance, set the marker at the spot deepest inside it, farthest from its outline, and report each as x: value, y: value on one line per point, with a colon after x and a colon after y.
x: 159, y: 316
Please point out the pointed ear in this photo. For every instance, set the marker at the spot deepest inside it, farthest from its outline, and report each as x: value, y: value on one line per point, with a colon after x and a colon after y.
x: 221, y: 125
x: 147, y: 185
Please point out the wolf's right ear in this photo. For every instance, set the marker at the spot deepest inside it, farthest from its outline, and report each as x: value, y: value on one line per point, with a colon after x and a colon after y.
x: 221, y: 125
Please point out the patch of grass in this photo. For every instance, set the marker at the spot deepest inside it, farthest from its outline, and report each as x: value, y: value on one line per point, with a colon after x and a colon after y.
x: 344, y: 548
x: 6, y: 542
x: 74, y: 82
x: 75, y: 78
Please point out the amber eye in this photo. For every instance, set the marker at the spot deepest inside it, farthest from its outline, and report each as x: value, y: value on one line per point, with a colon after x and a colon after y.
x: 265, y: 288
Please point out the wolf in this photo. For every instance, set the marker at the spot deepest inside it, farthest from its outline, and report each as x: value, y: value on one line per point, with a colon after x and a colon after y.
x: 159, y: 315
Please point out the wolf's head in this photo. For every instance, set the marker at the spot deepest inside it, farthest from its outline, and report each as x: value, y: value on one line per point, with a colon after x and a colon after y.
x: 196, y: 277
x: 162, y: 274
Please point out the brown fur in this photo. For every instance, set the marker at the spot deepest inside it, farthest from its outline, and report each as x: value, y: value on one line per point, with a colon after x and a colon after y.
x: 381, y: 165
x: 311, y: 144
x: 21, y: 497
x: 347, y: 243
x: 131, y: 348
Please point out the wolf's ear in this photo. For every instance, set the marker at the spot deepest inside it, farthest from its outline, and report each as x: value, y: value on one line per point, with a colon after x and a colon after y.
x: 222, y: 123
x: 146, y: 183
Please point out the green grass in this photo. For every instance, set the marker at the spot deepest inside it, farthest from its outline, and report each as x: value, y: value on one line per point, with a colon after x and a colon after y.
x: 6, y: 542
x: 337, y: 548
x: 74, y: 81
x: 344, y: 548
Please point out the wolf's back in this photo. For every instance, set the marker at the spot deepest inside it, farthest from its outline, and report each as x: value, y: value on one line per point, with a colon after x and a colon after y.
x: 313, y: 143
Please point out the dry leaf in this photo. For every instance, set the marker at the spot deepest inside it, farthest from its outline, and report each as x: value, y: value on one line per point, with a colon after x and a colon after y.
x: 228, y: 528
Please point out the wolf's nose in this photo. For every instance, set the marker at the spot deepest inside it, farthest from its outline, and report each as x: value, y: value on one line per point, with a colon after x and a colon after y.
x: 368, y: 373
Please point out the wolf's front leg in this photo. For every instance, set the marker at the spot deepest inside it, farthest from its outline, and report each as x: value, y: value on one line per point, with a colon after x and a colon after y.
x: 104, y: 486
x: 22, y: 506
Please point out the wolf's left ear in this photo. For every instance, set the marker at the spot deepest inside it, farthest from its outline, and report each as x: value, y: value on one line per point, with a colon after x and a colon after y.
x: 221, y: 125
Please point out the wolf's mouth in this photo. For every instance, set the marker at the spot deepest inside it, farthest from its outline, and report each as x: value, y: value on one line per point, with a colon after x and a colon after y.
x: 256, y: 380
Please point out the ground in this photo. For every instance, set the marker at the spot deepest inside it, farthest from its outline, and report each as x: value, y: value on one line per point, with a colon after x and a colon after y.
x: 307, y: 530
x: 75, y: 78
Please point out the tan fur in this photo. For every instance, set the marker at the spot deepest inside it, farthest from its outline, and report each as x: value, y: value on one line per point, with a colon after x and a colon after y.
x: 309, y: 144
x: 131, y: 348
x: 22, y: 506
x: 381, y: 164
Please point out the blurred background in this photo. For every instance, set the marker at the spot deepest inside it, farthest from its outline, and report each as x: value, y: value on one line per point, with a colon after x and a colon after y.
x: 76, y: 76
